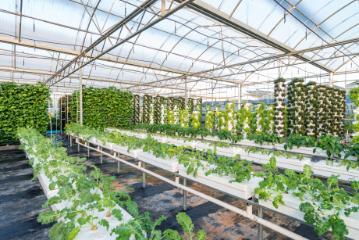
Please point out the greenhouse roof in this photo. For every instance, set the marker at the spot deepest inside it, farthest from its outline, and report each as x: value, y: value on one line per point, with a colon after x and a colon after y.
x: 207, y: 48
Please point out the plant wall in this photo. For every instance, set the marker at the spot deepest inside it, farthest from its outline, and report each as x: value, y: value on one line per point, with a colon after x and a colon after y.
x: 296, y: 106
x: 209, y: 119
x: 354, y: 97
x: 22, y: 106
x: 104, y: 107
x: 338, y: 112
x: 163, y: 101
x: 196, y: 119
x: 261, y: 118
x: 170, y: 110
x: 311, y: 102
x: 279, y: 112
x: 157, y: 110
x: 147, y: 101
x: 137, y: 109
x: 184, y: 118
x: 341, y: 112
x: 230, y: 116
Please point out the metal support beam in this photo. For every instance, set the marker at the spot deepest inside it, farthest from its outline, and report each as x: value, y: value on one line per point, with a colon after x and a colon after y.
x: 61, y: 74
x: 103, y: 37
x: 224, y: 18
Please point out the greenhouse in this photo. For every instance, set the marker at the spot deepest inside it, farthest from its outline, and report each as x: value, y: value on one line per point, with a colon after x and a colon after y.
x: 179, y: 119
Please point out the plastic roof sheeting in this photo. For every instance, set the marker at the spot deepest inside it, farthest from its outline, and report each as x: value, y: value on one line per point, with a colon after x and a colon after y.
x: 297, y: 38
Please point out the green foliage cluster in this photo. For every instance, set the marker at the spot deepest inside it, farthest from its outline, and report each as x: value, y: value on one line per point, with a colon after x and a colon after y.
x: 103, y: 107
x: 323, y: 202
x: 22, y: 106
x: 85, y: 190
x: 136, y: 109
x: 354, y: 97
x: 296, y: 106
x: 334, y: 147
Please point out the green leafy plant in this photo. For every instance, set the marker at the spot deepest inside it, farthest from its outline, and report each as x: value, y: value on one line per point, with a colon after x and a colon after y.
x: 103, y: 107
x: 22, y: 106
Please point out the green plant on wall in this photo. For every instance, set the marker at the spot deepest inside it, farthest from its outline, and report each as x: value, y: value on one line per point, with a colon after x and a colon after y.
x: 222, y: 121
x: 137, y: 110
x: 22, y: 106
x: 354, y: 97
x: 311, y: 110
x: 244, y: 117
x: 209, y: 120
x: 157, y: 110
x: 104, y: 107
x: 261, y: 118
x: 190, y: 105
x: 279, y: 112
x: 196, y: 119
x: 230, y: 116
x: 147, y: 101
x: 296, y: 106
x: 163, y: 102
x: 170, y: 111
x: 184, y: 118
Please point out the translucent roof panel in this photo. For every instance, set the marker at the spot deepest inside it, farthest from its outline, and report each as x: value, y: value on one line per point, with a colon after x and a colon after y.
x: 213, y: 44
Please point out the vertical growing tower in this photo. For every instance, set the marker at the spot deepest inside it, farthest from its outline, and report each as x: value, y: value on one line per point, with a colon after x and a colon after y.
x: 279, y: 112
x: 296, y: 106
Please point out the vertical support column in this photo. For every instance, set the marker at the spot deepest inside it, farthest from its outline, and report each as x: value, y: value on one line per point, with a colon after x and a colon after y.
x: 80, y: 99
x: 185, y: 91
x: 239, y: 97
x: 88, y: 149
x: 143, y: 176
x: 70, y: 140
x: 78, y: 145
x: 101, y: 155
x: 260, y: 227
x: 331, y: 75
x: 118, y: 163
x: 185, y: 195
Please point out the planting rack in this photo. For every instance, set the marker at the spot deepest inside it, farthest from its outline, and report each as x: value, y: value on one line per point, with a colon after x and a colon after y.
x: 108, y: 150
x: 321, y: 168
x: 85, y: 233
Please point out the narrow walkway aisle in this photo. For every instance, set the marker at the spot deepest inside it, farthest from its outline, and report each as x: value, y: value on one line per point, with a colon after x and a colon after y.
x: 21, y: 199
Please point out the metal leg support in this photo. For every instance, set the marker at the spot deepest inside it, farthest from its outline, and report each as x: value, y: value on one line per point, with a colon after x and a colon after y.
x: 184, y: 195
x: 260, y: 227
x: 143, y: 176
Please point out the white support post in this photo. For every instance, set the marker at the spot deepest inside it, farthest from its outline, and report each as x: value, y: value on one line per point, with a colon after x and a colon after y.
x: 185, y: 91
x: 331, y: 75
x: 143, y: 175
x: 88, y: 150
x: 78, y: 145
x: 260, y: 227
x: 70, y: 140
x: 185, y: 195
x: 249, y: 209
x: 239, y: 97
